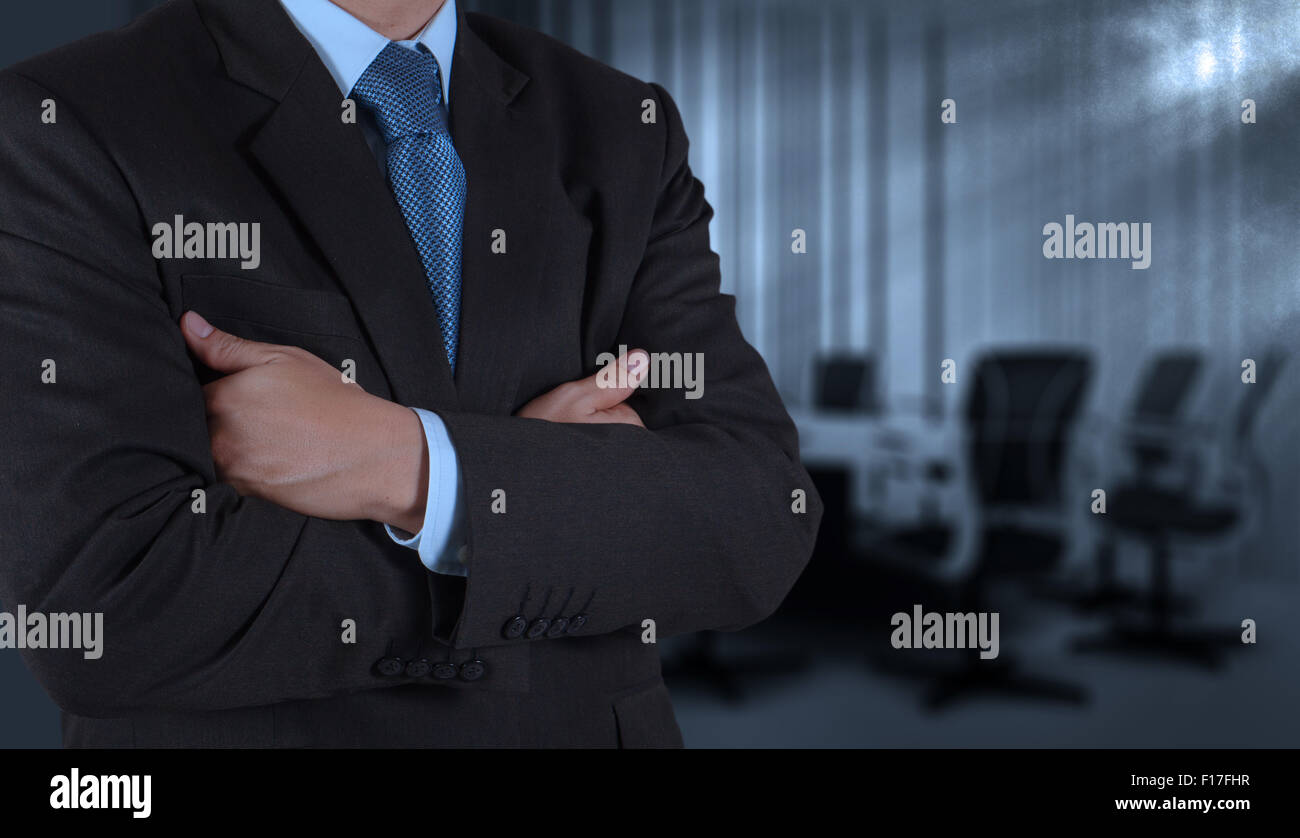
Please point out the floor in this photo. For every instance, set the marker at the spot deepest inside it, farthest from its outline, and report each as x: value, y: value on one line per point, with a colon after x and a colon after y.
x: 837, y: 700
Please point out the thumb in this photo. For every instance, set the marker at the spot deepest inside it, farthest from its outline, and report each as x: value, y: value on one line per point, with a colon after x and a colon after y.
x: 218, y: 350
x: 613, y: 384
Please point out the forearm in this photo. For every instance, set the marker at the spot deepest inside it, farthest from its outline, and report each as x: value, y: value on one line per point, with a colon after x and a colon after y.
x: 692, y: 526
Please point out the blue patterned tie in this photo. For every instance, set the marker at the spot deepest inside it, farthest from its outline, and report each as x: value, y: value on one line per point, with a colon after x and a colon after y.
x: 403, y: 89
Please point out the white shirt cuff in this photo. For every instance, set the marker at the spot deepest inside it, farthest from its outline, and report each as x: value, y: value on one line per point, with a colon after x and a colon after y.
x: 440, y: 539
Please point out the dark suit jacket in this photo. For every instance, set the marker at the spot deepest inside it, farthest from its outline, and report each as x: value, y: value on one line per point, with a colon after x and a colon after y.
x: 225, y: 627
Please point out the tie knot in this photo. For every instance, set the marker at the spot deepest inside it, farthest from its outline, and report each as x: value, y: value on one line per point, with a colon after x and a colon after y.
x: 403, y: 89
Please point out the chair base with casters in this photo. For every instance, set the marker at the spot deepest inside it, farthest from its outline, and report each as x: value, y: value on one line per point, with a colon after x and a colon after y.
x: 1107, y: 594
x: 1202, y: 646
x: 701, y: 664
x: 1154, y: 516
x: 1002, y: 677
x: 970, y: 676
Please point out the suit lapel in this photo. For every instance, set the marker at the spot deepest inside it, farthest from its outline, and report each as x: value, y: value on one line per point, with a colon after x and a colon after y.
x: 329, y: 176
x: 506, y: 204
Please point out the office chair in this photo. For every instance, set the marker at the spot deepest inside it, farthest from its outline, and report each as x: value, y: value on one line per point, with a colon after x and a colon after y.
x: 1251, y: 475
x: 1159, y: 515
x: 845, y: 383
x: 1015, y: 437
x: 1155, y: 414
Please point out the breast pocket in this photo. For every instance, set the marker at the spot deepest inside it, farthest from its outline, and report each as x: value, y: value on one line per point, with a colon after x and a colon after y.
x: 321, y: 322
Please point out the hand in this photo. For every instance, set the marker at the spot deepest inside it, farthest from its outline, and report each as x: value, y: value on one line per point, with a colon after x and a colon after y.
x: 287, y: 428
x: 596, y: 398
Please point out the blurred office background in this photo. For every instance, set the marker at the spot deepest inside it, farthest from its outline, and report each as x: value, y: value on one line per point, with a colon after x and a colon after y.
x: 924, y: 245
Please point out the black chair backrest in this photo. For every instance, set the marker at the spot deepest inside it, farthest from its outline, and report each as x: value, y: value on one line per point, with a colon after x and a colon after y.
x: 845, y: 382
x: 1166, y: 385
x: 1019, y: 415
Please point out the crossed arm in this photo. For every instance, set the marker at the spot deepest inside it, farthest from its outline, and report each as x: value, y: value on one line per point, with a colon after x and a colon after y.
x: 286, y: 427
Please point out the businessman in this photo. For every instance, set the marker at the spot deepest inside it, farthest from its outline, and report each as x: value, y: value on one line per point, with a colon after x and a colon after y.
x: 307, y: 311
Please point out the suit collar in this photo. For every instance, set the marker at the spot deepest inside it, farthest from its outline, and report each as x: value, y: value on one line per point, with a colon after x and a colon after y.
x: 259, y: 45
x: 262, y: 49
x: 492, y: 75
x: 346, y: 46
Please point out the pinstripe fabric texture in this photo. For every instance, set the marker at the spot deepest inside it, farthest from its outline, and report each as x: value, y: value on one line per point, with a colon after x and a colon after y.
x: 403, y: 89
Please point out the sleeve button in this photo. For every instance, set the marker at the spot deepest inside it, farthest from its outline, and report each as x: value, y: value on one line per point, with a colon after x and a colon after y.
x: 514, y: 628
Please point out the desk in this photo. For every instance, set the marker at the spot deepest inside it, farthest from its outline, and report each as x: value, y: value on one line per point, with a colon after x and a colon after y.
x: 886, y: 456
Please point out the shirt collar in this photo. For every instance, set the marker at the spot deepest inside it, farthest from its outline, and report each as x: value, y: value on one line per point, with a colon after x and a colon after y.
x: 347, y: 46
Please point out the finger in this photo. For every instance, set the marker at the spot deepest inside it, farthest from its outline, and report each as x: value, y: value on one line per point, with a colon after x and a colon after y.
x: 216, y: 398
x: 613, y: 384
x: 222, y: 351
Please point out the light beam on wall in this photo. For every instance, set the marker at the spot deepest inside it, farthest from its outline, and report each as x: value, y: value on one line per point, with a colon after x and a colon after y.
x: 1205, y: 62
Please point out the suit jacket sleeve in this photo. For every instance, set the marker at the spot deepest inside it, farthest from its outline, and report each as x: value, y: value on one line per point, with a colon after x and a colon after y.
x: 690, y: 522
x: 240, y: 604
